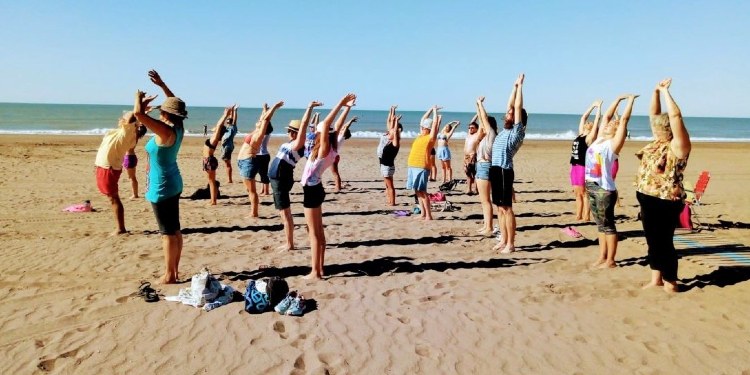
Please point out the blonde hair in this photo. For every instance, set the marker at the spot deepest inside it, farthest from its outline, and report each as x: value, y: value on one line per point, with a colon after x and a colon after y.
x: 660, y: 124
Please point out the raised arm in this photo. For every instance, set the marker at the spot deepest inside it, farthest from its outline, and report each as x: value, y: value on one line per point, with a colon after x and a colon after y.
x: 394, y: 128
x: 342, y: 117
x: 484, y: 120
x: 156, y: 79
x: 584, y: 117
x: 655, y: 108
x: 234, y: 114
x: 324, y: 143
x: 220, y: 125
x: 426, y: 114
x: 512, y: 98
x: 618, y: 140
x: 347, y: 125
x: 612, y: 109
x: 518, y: 103
x: 391, y: 123
x: 264, y: 121
x: 436, y: 118
x: 454, y: 124
x: 681, y: 144
x: 163, y: 131
x: 299, y: 142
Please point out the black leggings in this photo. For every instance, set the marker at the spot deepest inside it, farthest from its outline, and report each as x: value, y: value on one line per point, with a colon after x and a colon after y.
x: 659, y: 218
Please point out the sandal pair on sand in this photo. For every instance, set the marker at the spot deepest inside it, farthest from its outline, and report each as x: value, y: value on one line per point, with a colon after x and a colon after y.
x: 146, y: 292
x: 293, y: 304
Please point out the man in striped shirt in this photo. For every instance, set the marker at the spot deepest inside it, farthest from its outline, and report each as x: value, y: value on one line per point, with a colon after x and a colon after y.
x: 506, y: 144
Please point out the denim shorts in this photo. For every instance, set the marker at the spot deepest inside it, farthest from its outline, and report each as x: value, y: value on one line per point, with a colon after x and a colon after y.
x: 248, y: 168
x: 483, y: 170
x: 444, y: 153
x: 387, y: 171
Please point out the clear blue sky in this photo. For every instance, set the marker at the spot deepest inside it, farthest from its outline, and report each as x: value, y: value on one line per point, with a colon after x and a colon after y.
x: 411, y: 53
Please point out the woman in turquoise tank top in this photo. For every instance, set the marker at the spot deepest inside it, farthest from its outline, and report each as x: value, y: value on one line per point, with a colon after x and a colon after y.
x: 164, y: 179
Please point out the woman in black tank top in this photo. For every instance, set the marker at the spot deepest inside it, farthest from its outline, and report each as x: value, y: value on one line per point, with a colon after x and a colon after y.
x: 586, y: 135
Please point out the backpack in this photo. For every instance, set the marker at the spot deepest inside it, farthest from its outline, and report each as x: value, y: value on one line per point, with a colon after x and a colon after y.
x: 262, y: 295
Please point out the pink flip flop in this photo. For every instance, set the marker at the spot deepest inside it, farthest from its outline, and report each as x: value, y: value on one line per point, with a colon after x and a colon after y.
x: 571, y: 232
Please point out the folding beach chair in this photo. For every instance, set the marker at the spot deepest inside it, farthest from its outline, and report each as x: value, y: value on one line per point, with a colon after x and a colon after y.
x: 695, y: 194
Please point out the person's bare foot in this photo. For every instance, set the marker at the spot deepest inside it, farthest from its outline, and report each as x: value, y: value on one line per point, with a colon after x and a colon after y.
x: 607, y: 265
x: 598, y: 263
x: 284, y: 248
x: 671, y: 287
x: 652, y: 284
x: 118, y: 232
x: 167, y: 280
x: 134, y: 197
x: 211, y: 204
x: 312, y: 276
x: 500, y: 246
x: 508, y: 249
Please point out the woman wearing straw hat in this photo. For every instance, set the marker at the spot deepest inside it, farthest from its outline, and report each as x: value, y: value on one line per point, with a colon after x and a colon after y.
x: 324, y: 152
x: 164, y: 179
x: 281, y: 172
x: 247, y: 159
x: 659, y: 186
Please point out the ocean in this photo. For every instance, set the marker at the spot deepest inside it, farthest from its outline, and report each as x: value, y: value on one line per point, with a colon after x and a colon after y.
x: 87, y: 119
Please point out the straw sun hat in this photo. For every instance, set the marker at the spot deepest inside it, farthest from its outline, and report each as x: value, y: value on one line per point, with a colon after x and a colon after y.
x: 175, y: 106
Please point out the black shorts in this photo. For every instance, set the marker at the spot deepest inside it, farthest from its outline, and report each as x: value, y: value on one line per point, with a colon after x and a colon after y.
x: 262, y: 161
x: 314, y: 196
x: 501, y: 182
x: 281, y: 188
x: 167, y: 214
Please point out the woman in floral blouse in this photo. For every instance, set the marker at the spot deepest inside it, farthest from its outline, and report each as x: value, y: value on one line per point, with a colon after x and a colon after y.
x: 659, y: 186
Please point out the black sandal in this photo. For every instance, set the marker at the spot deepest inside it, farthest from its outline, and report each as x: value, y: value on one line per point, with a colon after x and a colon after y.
x: 146, y: 292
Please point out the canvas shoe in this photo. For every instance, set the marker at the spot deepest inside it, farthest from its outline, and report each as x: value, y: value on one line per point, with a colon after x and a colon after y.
x: 297, y: 307
x: 283, y: 306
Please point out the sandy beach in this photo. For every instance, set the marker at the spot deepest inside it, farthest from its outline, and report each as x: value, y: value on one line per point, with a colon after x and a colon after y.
x: 402, y: 297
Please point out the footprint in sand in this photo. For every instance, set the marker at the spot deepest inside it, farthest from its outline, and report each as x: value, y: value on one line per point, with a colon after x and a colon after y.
x: 299, y: 363
x: 422, y: 350
x: 279, y: 328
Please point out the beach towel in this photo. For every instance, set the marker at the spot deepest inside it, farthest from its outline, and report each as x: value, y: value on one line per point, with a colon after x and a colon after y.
x: 80, y: 207
x: 204, y: 291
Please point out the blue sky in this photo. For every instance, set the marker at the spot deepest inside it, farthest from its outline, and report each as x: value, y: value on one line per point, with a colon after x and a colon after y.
x: 411, y: 53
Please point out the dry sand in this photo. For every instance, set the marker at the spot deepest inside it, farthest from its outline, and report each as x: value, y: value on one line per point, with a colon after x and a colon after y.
x: 403, y: 296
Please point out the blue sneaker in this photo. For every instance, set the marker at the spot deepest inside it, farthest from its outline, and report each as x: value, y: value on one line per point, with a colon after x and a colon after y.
x: 284, y: 305
x: 297, y: 307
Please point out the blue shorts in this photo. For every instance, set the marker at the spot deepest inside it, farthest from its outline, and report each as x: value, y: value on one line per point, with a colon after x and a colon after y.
x: 249, y: 168
x: 443, y: 153
x: 483, y: 170
x: 416, y: 179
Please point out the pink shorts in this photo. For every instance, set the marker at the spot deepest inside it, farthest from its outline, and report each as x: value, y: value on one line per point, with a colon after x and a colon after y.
x: 577, y: 175
x: 107, y: 181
